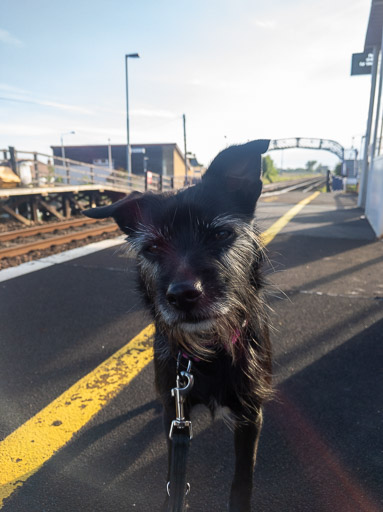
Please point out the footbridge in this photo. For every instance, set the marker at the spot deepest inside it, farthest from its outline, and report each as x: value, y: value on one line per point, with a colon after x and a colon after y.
x: 307, y: 143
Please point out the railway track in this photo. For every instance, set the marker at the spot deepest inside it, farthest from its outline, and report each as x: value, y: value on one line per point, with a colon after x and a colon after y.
x: 18, y: 242
x: 44, y: 228
x: 305, y: 185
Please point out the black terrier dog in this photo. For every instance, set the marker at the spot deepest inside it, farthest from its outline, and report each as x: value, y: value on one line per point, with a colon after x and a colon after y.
x: 199, y: 261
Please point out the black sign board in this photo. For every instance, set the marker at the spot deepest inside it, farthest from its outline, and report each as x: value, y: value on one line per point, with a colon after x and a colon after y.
x: 362, y: 63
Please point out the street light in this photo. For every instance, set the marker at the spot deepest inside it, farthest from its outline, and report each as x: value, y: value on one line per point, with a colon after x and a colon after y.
x: 128, y: 151
x: 62, y: 145
x: 109, y: 156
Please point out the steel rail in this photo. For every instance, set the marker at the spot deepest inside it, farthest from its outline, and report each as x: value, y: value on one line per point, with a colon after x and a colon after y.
x: 311, y: 183
x: 314, y: 185
x: 21, y: 249
x: 41, y: 228
x: 278, y: 185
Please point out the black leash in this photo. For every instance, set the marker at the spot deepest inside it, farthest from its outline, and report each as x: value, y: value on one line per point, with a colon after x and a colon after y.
x: 180, y: 435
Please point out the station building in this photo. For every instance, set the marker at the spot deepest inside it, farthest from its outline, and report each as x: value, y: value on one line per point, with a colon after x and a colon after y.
x: 163, y: 159
x: 371, y: 183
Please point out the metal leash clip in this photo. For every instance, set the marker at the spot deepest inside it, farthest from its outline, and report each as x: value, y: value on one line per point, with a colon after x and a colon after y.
x: 186, y: 492
x: 179, y: 393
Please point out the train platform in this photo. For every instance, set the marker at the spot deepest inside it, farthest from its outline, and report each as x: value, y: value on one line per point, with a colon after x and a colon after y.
x: 320, y: 448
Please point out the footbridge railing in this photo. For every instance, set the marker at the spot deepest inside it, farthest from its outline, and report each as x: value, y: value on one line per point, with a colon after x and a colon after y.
x: 307, y: 143
x: 34, y: 169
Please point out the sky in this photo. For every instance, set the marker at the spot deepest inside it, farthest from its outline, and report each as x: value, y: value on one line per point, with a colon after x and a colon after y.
x: 238, y: 69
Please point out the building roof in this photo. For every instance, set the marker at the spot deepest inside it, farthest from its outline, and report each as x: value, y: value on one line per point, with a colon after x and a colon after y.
x: 144, y: 145
x: 375, y: 25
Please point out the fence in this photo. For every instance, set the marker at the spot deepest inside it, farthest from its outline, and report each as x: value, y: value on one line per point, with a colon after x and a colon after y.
x: 41, y: 170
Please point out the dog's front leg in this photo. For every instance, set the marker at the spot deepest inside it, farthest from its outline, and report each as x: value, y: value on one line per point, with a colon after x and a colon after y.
x: 246, y: 436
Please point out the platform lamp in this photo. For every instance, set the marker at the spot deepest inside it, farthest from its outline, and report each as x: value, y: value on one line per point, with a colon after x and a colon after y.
x: 128, y: 150
x: 62, y: 144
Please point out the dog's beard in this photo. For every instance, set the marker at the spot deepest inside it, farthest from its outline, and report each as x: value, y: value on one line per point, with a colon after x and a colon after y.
x: 202, y: 320
x: 203, y: 337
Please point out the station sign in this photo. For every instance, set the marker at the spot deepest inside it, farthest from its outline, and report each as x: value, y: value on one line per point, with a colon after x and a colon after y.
x: 362, y: 63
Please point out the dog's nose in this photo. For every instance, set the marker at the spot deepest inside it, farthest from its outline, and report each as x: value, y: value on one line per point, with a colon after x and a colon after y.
x: 184, y: 295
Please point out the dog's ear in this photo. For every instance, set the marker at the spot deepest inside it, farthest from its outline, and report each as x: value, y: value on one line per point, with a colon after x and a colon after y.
x: 236, y: 172
x: 134, y: 209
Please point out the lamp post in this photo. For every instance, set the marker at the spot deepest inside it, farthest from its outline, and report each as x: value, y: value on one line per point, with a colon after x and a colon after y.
x: 62, y: 145
x: 110, y: 165
x: 128, y: 151
x: 185, y: 151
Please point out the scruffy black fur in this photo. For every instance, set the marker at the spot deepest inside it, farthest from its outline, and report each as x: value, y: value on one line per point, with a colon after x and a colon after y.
x: 199, y: 261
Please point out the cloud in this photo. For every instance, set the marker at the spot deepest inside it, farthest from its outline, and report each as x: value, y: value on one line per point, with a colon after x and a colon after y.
x: 266, y: 24
x: 147, y: 112
x: 105, y: 132
x: 63, y: 106
x: 25, y: 129
x: 7, y: 38
x: 140, y: 112
x: 45, y: 103
x: 12, y: 89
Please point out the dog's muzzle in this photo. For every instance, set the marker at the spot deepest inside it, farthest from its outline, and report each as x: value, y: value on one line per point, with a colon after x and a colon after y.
x: 184, y: 295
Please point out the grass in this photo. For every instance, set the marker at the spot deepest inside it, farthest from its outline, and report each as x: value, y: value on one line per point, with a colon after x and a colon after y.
x: 288, y: 177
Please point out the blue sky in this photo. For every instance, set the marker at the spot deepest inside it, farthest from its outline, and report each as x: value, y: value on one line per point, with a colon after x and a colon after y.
x: 238, y: 69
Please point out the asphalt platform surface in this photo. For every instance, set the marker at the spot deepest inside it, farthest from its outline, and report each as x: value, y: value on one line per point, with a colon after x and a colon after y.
x: 321, y: 447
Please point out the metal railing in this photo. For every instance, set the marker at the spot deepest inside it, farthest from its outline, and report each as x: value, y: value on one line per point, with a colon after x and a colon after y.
x: 41, y: 170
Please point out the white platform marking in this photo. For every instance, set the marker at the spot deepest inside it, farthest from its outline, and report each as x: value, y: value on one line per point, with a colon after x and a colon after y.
x: 32, y: 266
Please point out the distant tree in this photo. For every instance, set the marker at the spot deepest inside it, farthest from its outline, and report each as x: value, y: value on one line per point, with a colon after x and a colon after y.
x: 338, y: 170
x: 269, y: 171
x: 310, y: 165
x: 322, y: 169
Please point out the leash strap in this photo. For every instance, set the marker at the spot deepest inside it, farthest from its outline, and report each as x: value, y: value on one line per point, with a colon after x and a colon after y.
x: 178, y: 488
x: 180, y: 435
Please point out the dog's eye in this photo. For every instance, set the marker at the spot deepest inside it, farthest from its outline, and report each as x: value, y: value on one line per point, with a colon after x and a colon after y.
x: 223, y: 234
x: 152, y: 249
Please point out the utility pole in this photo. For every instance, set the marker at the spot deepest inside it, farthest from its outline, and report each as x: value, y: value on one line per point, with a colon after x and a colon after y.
x: 63, y: 163
x: 185, y: 157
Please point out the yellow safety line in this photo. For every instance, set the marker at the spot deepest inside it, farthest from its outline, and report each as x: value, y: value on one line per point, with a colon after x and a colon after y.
x: 273, y: 230
x: 24, y: 451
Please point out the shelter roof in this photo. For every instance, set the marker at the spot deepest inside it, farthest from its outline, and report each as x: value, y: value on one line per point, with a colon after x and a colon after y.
x: 375, y: 25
